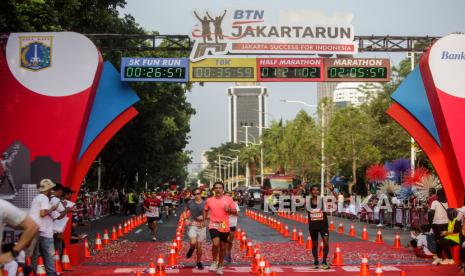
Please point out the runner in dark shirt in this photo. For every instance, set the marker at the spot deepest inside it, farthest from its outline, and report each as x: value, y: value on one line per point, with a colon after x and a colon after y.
x: 318, y: 224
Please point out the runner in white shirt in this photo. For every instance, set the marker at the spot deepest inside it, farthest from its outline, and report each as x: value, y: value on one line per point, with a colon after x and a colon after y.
x: 14, y: 217
x: 437, y: 216
x: 41, y: 211
x: 59, y: 217
x: 232, y: 228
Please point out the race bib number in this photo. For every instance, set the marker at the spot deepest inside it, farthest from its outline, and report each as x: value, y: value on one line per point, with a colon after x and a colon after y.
x: 220, y: 226
x: 153, y: 211
x: 316, y: 215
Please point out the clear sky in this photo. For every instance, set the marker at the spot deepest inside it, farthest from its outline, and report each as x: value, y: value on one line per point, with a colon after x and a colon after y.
x: 209, y: 127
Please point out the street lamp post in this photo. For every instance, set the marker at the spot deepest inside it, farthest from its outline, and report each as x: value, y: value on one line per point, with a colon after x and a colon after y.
x: 322, y: 180
x: 219, y: 163
x: 237, y: 166
x: 247, y: 172
x: 230, y: 168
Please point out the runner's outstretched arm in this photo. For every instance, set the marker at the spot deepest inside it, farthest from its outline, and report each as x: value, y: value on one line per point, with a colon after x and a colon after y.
x: 196, y: 15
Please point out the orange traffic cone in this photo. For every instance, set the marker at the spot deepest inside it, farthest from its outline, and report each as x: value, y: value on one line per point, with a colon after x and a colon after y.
x: 172, y: 257
x: 98, y: 243
x: 352, y: 230
x: 308, y: 245
x: 65, y: 262
x: 151, y: 270
x: 320, y: 250
x: 114, y: 235
x: 125, y: 228
x: 379, y: 237
x: 261, y: 266
x: 237, y: 235
x: 364, y: 233
x: 294, y: 234
x: 286, y: 231
x: 40, y: 270
x: 179, y: 242
x: 300, y: 237
x: 249, y: 252
x: 337, y: 260
x: 160, y: 271
x: 267, y: 269
x: 86, y: 248
x: 130, y: 225
x: 379, y: 270
x: 243, y: 245
x: 20, y: 271
x: 340, y: 229
x: 106, y: 238
x: 397, y: 244
x: 175, y: 246
x: 331, y: 225
x: 364, y: 269
x: 255, y: 261
x: 58, y: 267
x: 120, y: 231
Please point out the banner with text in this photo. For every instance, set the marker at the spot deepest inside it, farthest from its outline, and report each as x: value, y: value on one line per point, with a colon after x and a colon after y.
x: 241, y: 31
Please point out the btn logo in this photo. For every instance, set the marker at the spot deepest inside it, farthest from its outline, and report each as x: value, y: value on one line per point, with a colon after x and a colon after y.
x: 36, y: 52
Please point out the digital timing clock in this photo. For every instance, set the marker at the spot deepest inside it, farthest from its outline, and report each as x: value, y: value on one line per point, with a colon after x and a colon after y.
x: 154, y: 69
x: 357, y: 69
x: 290, y: 69
x: 223, y: 70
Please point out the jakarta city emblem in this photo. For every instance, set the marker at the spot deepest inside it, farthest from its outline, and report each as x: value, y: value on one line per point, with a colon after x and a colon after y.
x: 35, y: 52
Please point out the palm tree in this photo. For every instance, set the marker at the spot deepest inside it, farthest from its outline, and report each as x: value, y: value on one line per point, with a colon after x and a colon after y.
x: 250, y: 156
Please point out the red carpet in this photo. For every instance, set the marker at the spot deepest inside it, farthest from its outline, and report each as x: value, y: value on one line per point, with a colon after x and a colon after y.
x: 276, y: 253
x: 420, y: 270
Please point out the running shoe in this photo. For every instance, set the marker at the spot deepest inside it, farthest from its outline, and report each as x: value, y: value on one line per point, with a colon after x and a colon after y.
x: 213, y: 266
x: 200, y: 266
x: 219, y: 271
x: 324, y: 266
x: 154, y: 238
x: 316, y: 266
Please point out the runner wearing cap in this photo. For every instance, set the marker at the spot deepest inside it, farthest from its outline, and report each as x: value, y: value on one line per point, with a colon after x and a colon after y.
x: 41, y: 211
x: 219, y: 207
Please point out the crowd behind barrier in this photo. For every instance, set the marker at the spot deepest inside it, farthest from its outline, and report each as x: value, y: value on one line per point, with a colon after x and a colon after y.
x: 407, y: 214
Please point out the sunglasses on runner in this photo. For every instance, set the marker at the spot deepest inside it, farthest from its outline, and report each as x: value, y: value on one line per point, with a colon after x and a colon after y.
x: 197, y: 194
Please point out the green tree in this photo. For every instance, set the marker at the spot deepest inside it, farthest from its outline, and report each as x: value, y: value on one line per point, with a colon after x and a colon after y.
x: 250, y: 156
x: 272, y: 142
x: 349, y: 142
x: 302, y: 138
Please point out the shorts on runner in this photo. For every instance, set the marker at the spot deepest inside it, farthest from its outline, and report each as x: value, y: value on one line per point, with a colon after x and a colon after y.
x: 214, y: 233
x: 150, y: 220
x: 323, y: 232
x: 197, y: 233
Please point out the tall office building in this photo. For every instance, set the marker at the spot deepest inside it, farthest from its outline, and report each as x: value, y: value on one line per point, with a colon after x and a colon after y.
x: 247, y: 112
x: 355, y: 93
x: 325, y: 90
